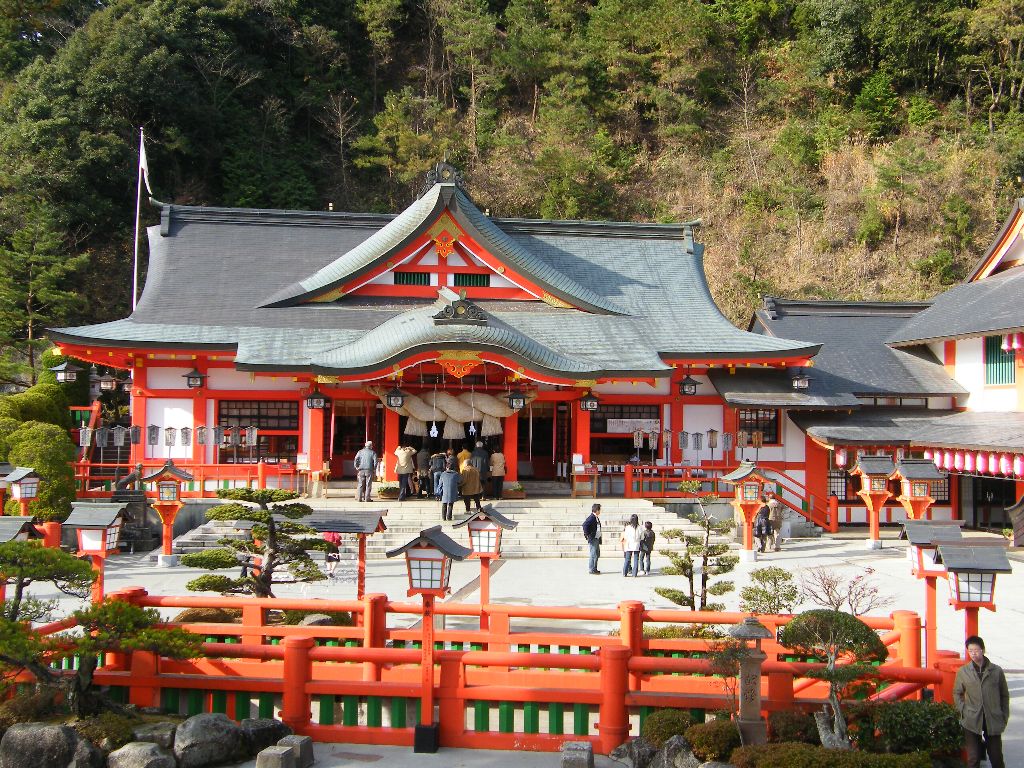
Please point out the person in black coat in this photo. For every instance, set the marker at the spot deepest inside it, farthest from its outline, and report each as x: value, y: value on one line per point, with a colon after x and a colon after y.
x: 763, y: 526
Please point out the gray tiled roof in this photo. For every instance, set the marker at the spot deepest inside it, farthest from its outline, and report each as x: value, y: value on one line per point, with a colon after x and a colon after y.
x: 435, y: 537
x: 773, y: 388
x: 988, y: 307
x: 919, y: 469
x: 347, y: 521
x: 213, y: 273
x: 875, y: 465
x: 921, y: 533
x: 92, y: 514
x: 854, y: 357
x: 491, y: 514
x: 12, y: 526
x: 968, y: 430
x: 974, y: 557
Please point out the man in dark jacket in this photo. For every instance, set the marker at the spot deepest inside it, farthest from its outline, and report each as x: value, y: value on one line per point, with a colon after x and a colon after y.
x: 481, y: 459
x: 592, y: 533
x: 982, y: 698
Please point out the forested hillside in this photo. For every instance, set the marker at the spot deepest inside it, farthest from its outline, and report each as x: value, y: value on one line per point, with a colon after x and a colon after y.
x: 831, y: 148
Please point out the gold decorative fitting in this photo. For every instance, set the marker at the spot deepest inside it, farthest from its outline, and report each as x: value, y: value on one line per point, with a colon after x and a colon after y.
x: 327, y: 380
x: 584, y: 382
x: 500, y: 269
x: 554, y: 301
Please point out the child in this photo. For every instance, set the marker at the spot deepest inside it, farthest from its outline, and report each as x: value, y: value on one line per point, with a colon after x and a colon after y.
x: 332, y: 558
x: 646, y: 547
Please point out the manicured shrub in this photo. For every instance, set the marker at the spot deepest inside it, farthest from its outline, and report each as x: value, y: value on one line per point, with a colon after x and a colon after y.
x: 906, y: 726
x: 682, y: 632
x: 340, y: 618
x: 662, y: 725
x: 77, y: 391
x: 45, y: 403
x: 208, y: 616
x: 793, y: 726
x: 48, y: 449
x: 9, y: 408
x: 8, y: 426
x: 790, y: 755
x: 714, y: 740
x: 27, y: 708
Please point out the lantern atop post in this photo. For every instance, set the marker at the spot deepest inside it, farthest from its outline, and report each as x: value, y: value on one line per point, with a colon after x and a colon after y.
x: 168, y: 481
x: 972, y: 565
x: 922, y: 535
x: 428, y: 558
x: 97, y: 527
x: 485, y: 527
x: 17, y: 529
x: 916, y: 477
x: 66, y: 372
x: 516, y: 400
x: 876, y: 471
x: 589, y: 402
x: 23, y: 483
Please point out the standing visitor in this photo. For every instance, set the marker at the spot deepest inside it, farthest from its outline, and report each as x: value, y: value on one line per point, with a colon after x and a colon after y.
x: 437, y: 462
x: 404, y: 468
x: 762, y: 526
x: 592, y: 533
x: 497, y: 472
x: 448, y: 489
x: 982, y: 699
x: 469, y: 485
x: 646, y: 547
x: 366, y: 464
x: 424, y: 486
x: 481, y: 460
x: 630, y: 542
x: 775, y: 518
x: 333, y: 557
x: 464, y: 455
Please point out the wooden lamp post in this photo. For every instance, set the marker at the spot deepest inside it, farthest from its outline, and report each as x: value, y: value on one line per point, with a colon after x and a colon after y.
x: 15, y: 529
x: 428, y: 558
x: 168, y: 480
x: 922, y: 535
x: 972, y: 566
x: 362, y: 524
x: 915, y: 477
x: 874, y: 472
x: 98, y: 527
x: 23, y: 484
x: 749, y: 482
x: 485, y: 527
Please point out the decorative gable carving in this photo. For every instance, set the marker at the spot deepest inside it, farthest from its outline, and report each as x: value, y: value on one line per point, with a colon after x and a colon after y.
x: 461, y: 311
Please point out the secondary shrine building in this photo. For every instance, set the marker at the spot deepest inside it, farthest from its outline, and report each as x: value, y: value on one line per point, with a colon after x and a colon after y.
x: 278, y: 342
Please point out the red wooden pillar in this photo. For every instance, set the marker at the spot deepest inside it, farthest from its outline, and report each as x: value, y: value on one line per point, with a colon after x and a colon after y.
x: 675, y: 456
x: 954, y: 496
x: 391, y: 437
x: 316, y: 439
x: 580, y: 433
x: 730, y: 423
x: 816, y: 468
x: 138, y: 407
x: 295, y: 702
x: 199, y: 420
x: 510, y: 447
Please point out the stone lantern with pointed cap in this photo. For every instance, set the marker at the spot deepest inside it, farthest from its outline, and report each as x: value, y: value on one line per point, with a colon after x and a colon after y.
x: 428, y: 558
x: 752, y: 727
x: 485, y: 527
x: 874, y: 472
x: 97, y: 529
x: 168, y: 480
x: 23, y: 483
x: 749, y: 482
x: 915, y: 477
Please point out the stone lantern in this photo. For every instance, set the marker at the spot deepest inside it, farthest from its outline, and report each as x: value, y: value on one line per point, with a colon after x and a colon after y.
x: 752, y: 727
x: 972, y: 565
x: 485, y: 527
x: 168, y: 480
x: 922, y: 535
x: 750, y: 482
x: 915, y: 478
x: 97, y: 529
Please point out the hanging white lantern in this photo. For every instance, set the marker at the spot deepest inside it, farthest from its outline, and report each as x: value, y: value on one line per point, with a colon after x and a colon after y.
x: 947, y: 460
x: 433, y: 429
x: 958, y: 461
x: 937, y: 459
x: 968, y: 462
x: 638, y: 438
x: 927, y: 453
x: 684, y: 441
x: 1018, y: 465
x: 840, y: 457
x: 1004, y: 464
x: 993, y: 463
x: 981, y: 462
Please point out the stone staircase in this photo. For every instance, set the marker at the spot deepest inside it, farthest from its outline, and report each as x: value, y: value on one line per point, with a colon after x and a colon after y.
x: 547, y: 527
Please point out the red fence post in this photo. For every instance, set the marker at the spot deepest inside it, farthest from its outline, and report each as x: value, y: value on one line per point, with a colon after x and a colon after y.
x: 947, y: 662
x: 501, y: 625
x: 451, y: 717
x: 144, y: 664
x: 295, y: 704
x: 375, y: 626
x: 833, y: 514
x: 908, y: 624
x: 631, y: 632
x: 613, y: 722
x: 252, y: 625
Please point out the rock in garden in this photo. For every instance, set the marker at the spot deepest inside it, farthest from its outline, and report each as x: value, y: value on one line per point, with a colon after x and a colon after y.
x: 140, y: 754
x: 209, y: 739
x: 577, y: 754
x: 263, y: 732
x: 302, y: 748
x: 317, y: 620
x: 636, y: 753
x: 161, y: 734
x: 36, y: 745
x: 675, y: 753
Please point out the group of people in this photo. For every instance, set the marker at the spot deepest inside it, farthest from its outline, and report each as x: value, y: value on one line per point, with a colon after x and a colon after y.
x: 445, y: 475
x: 768, y: 523
x: 637, y: 543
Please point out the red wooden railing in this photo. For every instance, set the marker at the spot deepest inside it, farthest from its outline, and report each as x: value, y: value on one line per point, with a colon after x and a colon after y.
x: 208, y: 477
x: 604, y: 685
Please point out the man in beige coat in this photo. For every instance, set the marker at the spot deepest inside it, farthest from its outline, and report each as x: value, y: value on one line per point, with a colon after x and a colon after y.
x: 982, y: 699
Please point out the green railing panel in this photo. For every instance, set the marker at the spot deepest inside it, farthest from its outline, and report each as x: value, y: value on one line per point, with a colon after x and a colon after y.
x: 476, y: 646
x: 373, y: 711
x: 556, y: 713
x: 351, y: 643
x: 644, y: 713
x: 170, y: 700
x: 481, y: 716
x: 580, y: 719
x: 506, y: 716
x: 698, y: 715
x: 350, y: 710
x: 194, y: 702
x: 522, y: 648
x: 219, y: 702
x: 397, y: 712
x: 241, y: 705
x: 416, y: 707
x: 326, y: 702
x: 265, y: 706
x: 531, y: 717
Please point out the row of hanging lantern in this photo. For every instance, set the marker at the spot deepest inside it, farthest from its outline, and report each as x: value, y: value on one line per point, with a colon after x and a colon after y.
x: 1012, y: 342
x: 979, y: 462
x: 120, y: 435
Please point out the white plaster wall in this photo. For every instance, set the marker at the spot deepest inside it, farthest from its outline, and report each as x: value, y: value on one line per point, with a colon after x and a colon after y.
x: 970, y: 373
x: 168, y: 412
x: 701, y: 418
x: 229, y: 378
x: 793, y: 441
x: 894, y: 514
x: 167, y: 378
x: 209, y: 448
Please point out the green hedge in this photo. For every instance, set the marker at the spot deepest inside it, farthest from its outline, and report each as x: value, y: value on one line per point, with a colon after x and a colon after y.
x: 662, y: 725
x: 806, y: 756
x: 77, y: 391
x: 905, y: 726
x: 714, y: 740
x: 793, y: 726
x: 48, y: 449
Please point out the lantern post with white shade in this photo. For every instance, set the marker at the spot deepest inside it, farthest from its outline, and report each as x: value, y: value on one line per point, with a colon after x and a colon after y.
x: 23, y: 484
x: 972, y: 565
x: 168, y: 480
x: 97, y: 528
x: 922, y: 536
x: 874, y: 472
x: 749, y: 482
x: 485, y: 527
x: 915, y: 478
x: 428, y: 559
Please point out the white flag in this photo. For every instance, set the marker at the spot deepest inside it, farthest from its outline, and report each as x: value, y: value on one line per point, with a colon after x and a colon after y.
x: 143, y: 163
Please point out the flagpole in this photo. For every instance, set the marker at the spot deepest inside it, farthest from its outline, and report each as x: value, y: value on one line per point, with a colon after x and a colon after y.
x: 138, y: 213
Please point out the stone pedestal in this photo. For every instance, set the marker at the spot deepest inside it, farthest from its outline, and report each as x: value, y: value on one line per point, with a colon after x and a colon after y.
x: 167, y: 561
x: 752, y: 727
x: 873, y: 544
x: 748, y: 555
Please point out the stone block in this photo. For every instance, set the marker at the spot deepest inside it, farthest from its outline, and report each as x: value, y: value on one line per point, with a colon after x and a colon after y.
x: 263, y: 732
x: 161, y: 734
x: 577, y: 754
x: 140, y: 754
x: 209, y: 739
x: 302, y: 746
x: 276, y: 757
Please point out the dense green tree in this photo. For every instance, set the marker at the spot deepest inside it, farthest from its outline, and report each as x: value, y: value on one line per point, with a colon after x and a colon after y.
x: 48, y: 449
x: 25, y: 563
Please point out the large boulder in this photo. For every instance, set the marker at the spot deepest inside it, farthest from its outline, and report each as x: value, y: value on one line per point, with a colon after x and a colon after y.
x: 161, y: 734
x: 317, y: 620
x: 209, y: 739
x: 140, y: 754
x: 261, y: 733
x: 635, y: 753
x: 37, y: 745
x: 675, y: 753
